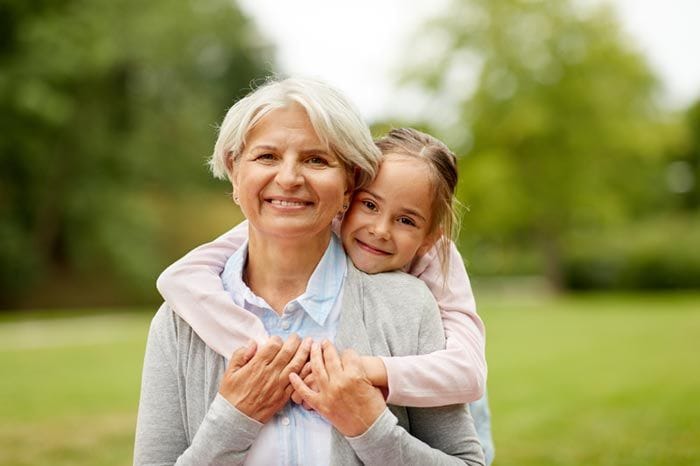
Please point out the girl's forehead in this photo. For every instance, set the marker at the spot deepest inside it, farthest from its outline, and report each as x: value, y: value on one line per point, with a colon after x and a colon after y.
x: 395, y: 163
x: 406, y: 161
x: 396, y: 156
x: 402, y: 179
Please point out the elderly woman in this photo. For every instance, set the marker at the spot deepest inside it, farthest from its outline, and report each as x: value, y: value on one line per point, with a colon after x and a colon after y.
x: 294, y: 150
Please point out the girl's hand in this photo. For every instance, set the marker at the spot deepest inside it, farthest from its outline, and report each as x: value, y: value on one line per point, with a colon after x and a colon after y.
x: 256, y: 381
x: 345, y: 397
x: 375, y: 370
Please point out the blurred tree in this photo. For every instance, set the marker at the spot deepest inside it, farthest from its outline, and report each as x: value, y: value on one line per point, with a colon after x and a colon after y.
x: 555, y: 114
x: 684, y: 174
x: 101, y: 100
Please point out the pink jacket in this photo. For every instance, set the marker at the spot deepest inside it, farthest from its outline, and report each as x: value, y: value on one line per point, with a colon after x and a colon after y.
x: 192, y: 288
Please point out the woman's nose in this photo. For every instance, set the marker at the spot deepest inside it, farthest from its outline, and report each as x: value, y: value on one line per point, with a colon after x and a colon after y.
x: 289, y: 175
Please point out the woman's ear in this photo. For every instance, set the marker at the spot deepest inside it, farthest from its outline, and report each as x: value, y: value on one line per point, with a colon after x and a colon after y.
x: 232, y: 170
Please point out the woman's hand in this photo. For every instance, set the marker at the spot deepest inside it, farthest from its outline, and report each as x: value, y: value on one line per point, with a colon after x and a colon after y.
x: 256, y: 381
x: 308, y: 377
x: 345, y: 396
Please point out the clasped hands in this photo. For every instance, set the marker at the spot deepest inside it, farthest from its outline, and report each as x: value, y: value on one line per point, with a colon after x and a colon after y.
x: 260, y: 381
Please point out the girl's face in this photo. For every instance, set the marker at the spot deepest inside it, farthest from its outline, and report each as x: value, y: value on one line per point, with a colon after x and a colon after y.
x: 388, y: 222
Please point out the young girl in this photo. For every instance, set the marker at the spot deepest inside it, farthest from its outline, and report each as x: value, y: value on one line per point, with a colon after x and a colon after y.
x: 401, y: 220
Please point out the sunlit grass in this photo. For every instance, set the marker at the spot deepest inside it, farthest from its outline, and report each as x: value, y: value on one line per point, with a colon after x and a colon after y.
x: 592, y: 380
x: 70, y: 388
x: 595, y: 380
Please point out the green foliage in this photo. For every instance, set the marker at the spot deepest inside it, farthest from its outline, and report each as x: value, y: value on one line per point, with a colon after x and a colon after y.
x: 659, y: 253
x: 102, y: 102
x: 555, y: 114
x: 685, y: 173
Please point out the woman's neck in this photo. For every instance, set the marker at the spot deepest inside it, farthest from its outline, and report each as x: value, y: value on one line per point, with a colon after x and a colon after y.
x: 278, y: 270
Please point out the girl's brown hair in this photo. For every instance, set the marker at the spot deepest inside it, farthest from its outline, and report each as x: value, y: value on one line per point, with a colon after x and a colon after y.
x: 442, y: 164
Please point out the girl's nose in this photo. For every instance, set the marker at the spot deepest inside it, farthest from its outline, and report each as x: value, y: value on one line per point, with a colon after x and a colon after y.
x: 381, y: 228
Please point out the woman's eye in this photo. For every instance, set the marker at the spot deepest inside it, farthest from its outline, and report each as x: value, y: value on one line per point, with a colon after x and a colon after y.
x: 407, y: 221
x: 317, y: 161
x: 264, y: 157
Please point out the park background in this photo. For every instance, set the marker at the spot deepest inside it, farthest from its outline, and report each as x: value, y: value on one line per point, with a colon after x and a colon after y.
x: 579, y: 174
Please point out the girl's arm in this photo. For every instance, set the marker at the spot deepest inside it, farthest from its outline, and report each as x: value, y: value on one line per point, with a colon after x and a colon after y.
x: 192, y: 287
x: 456, y: 374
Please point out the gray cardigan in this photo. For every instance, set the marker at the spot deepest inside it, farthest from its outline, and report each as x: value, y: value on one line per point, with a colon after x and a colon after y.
x: 183, y: 420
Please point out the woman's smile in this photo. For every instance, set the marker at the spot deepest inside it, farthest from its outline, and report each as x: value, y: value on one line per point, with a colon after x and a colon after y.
x: 290, y: 204
x: 289, y: 183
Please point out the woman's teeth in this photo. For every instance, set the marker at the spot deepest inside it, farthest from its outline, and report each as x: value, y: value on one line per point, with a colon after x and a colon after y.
x: 287, y: 203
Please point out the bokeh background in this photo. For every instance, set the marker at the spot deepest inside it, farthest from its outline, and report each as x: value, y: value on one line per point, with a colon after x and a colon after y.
x: 579, y: 176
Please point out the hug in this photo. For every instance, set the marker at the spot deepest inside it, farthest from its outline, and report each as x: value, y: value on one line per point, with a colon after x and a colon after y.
x: 337, y: 324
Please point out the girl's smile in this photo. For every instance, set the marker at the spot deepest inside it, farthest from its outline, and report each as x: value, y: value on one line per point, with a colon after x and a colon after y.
x: 389, y: 222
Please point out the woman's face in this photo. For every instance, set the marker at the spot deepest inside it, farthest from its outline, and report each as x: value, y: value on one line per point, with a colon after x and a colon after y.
x: 288, y: 183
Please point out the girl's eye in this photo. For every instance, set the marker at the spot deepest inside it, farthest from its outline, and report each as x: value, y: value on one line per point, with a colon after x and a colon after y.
x: 369, y: 204
x: 407, y: 221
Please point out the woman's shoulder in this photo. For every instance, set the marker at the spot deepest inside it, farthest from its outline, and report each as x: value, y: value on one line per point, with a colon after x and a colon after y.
x: 174, y: 334
x: 392, y: 290
x: 166, y: 324
x: 394, y: 284
x: 397, y: 311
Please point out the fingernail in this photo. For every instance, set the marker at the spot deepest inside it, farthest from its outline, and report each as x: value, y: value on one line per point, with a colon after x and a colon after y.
x: 315, y: 346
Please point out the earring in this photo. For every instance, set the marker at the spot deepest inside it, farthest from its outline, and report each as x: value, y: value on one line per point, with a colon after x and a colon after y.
x: 341, y: 213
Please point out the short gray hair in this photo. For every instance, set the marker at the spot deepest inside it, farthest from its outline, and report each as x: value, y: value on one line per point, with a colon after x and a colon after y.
x: 334, y: 118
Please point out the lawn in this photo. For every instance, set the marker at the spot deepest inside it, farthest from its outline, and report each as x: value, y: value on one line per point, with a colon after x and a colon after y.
x: 592, y: 380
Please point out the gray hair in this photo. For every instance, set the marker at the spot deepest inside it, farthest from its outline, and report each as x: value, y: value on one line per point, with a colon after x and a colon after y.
x: 336, y: 121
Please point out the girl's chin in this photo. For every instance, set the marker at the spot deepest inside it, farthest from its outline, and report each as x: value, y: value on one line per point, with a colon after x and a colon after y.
x: 367, y: 266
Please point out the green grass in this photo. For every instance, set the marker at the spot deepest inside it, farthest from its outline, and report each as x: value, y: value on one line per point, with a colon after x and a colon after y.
x: 592, y: 380
x: 597, y: 380
x: 70, y: 388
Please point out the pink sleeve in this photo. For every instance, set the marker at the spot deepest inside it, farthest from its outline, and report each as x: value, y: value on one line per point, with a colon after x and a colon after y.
x: 192, y: 287
x: 456, y: 374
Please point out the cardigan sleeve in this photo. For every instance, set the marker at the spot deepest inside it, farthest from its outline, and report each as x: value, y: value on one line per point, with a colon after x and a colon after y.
x: 225, y: 435
x: 457, y: 373
x: 192, y: 287
x: 438, y: 436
